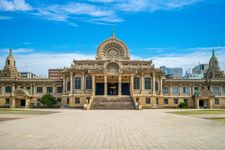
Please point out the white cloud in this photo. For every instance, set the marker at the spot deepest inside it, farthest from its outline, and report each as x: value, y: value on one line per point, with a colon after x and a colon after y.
x: 39, y: 63
x: 187, y: 61
x: 14, y: 5
x: 94, y: 11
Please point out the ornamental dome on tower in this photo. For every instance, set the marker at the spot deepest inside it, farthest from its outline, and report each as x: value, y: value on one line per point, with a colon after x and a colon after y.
x: 113, y: 48
x: 10, y: 69
x: 214, y: 69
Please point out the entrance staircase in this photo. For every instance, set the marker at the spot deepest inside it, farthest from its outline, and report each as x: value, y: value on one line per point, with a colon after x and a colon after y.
x: 112, y: 102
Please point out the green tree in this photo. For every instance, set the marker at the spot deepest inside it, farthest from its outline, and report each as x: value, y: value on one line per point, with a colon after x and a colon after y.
x: 183, y: 105
x: 48, y: 100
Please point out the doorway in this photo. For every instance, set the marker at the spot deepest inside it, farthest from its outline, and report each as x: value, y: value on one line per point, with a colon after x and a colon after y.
x: 22, y: 103
x: 99, y: 89
x: 125, y: 88
x: 112, y: 89
x: 201, y: 103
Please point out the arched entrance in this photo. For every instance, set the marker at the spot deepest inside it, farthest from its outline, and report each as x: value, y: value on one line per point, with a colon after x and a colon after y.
x: 21, y: 99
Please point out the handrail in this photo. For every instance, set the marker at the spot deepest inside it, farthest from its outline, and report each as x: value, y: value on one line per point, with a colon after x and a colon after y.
x: 88, y: 106
x: 136, y: 104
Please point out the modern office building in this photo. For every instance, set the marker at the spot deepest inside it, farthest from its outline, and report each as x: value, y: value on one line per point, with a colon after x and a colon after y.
x: 172, y: 72
x: 28, y: 75
x: 55, y: 73
x: 200, y: 69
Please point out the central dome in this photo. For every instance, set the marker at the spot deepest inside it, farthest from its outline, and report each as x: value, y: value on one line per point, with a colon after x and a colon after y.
x: 112, y: 48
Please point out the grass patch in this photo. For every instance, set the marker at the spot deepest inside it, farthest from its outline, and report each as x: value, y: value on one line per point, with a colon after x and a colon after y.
x: 199, y: 112
x: 217, y: 119
x: 26, y: 112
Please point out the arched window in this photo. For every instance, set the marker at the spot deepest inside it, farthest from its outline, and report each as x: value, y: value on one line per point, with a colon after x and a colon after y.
x: 8, y: 62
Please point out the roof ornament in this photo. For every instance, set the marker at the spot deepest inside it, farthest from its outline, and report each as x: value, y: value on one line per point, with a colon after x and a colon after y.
x: 10, y: 52
x: 113, y: 32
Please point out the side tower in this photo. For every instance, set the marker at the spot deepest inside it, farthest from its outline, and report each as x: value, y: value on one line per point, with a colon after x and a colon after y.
x: 214, y: 69
x: 10, y: 69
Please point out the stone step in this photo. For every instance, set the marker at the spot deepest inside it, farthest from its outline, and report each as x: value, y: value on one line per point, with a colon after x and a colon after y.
x: 112, y: 102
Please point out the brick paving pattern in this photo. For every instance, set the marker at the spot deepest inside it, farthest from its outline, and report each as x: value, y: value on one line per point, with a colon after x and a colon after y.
x: 112, y: 129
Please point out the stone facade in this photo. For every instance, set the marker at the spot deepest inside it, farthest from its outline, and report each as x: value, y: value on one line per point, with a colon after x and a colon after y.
x: 113, y: 76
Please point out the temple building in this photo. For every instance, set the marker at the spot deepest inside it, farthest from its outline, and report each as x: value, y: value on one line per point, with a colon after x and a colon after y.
x: 112, y: 81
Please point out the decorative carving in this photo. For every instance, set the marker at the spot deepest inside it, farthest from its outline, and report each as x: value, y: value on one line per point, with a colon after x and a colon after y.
x: 112, y: 49
x: 20, y: 93
x: 113, y: 53
x: 112, y: 68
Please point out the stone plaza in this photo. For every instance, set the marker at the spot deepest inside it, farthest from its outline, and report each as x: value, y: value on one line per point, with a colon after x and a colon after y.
x: 112, y: 129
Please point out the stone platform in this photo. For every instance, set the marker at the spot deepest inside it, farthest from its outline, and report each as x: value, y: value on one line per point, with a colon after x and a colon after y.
x: 112, y: 129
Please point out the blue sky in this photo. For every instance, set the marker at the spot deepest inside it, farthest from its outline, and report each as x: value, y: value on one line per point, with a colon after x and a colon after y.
x: 50, y: 34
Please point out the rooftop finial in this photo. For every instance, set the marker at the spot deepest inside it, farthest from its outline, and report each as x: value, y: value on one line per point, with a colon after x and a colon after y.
x: 10, y: 52
x: 213, y: 53
x: 113, y: 31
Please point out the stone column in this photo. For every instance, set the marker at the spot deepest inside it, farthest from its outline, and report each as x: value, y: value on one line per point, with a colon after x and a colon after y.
x: 193, y: 89
x: 153, y: 83
x: 190, y: 92
x: 35, y: 89
x: 3, y: 90
x: 170, y: 90
x: 64, y: 84
x: 13, y: 89
x: 161, y: 86
x: 105, y: 85
x: 197, y: 103
x: 71, y: 83
x: 27, y: 103
x: 83, y: 83
x: 210, y: 103
x: 13, y: 103
x: 131, y: 84
x: 31, y: 89
x: 180, y: 90
x: 44, y: 89
x: 221, y: 89
x: 93, y: 85
x: 54, y: 89
x: 142, y: 83
x: 120, y: 86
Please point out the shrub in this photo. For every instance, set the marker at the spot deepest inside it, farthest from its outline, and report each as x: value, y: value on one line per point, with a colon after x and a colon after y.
x: 48, y: 100
x: 183, y: 105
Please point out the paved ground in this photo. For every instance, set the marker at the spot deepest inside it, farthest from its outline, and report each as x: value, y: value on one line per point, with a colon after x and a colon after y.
x: 112, y: 129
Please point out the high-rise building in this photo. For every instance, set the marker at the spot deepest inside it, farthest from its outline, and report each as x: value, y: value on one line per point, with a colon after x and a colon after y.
x: 200, y: 69
x: 28, y: 75
x: 172, y: 72
x: 55, y: 73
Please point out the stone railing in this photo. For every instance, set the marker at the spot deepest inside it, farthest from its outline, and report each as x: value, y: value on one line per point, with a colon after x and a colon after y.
x: 87, y: 106
x: 136, y: 104
x: 85, y: 67
x: 136, y: 67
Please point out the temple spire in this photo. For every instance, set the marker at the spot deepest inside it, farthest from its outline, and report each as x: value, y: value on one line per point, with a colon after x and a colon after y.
x: 10, y: 52
x: 213, y: 52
